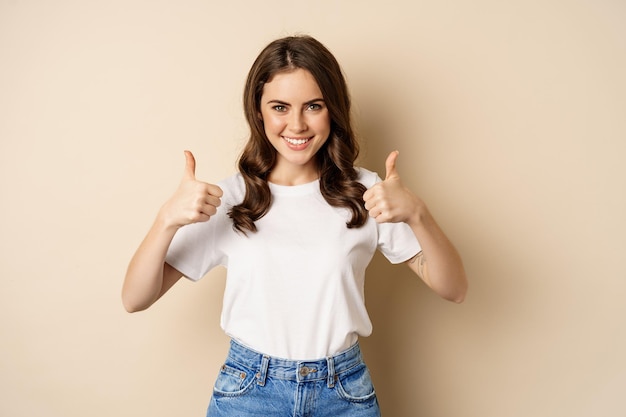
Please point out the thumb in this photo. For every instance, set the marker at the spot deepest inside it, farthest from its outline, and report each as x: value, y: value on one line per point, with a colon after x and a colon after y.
x: 190, y: 166
x: 390, y: 166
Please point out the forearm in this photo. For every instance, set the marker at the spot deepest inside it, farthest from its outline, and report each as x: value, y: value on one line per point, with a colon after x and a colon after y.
x: 143, y: 283
x: 441, y: 267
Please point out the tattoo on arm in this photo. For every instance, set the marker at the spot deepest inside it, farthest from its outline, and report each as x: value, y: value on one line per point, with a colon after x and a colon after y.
x: 419, y: 258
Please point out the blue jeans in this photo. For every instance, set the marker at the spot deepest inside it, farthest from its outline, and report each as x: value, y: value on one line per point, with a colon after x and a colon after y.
x: 253, y: 384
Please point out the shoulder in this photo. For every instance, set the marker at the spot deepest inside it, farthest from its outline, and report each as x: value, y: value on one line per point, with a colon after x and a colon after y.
x: 366, y: 177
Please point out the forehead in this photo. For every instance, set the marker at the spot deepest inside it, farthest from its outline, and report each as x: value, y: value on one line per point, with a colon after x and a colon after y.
x: 295, y: 85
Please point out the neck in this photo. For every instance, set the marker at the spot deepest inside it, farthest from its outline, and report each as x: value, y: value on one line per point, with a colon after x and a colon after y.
x: 293, y: 176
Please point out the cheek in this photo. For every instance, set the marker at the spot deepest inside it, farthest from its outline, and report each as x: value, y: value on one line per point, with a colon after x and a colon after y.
x: 272, y: 124
x: 323, y: 124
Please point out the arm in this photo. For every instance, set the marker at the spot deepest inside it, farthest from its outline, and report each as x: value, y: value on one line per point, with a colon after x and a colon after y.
x: 148, y: 276
x: 439, y: 264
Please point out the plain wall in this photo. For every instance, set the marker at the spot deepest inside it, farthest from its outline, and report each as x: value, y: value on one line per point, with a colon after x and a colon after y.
x: 510, y: 117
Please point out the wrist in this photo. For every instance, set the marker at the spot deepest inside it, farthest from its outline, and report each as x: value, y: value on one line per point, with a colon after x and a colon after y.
x: 165, y: 223
x: 419, y: 215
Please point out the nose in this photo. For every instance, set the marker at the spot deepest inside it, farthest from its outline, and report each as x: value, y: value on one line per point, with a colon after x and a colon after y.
x: 297, y: 122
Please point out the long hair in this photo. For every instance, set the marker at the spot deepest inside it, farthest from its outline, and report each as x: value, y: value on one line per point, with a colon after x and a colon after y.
x: 338, y: 177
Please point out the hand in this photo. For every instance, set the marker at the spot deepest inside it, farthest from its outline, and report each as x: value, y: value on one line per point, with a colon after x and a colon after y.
x: 194, y: 201
x: 390, y: 201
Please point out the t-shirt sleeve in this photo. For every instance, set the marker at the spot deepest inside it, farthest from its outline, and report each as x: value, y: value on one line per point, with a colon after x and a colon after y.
x: 397, y: 242
x: 192, y: 251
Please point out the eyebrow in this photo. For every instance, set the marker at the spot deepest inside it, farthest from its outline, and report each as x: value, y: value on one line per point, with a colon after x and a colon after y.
x: 284, y: 103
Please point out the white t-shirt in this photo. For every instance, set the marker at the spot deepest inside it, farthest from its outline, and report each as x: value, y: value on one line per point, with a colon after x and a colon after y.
x: 295, y: 288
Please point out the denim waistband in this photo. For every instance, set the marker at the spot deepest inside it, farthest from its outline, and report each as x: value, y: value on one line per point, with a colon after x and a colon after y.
x: 295, y: 370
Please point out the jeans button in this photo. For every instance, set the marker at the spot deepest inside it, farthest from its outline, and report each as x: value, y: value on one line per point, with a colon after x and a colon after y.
x: 304, y: 371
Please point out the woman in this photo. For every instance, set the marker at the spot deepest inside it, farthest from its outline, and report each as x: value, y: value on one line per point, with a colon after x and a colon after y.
x: 296, y: 229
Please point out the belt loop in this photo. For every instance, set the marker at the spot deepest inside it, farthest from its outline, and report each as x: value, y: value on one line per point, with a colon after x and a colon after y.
x: 331, y: 372
x: 262, y: 375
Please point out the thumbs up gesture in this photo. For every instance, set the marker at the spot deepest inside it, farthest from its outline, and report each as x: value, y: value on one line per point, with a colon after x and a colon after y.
x: 389, y: 201
x: 194, y: 201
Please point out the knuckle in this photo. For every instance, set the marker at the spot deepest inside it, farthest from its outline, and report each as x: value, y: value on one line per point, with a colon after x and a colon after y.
x: 197, y: 206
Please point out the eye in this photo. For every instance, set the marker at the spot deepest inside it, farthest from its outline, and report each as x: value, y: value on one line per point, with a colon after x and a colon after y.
x: 279, y: 108
x: 314, y: 106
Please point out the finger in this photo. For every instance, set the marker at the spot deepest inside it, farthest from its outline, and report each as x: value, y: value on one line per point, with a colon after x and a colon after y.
x: 190, y: 166
x: 214, y: 201
x: 367, y: 195
x: 200, y: 217
x: 215, y: 190
x: 390, y: 166
x: 375, y: 212
x: 370, y: 193
x: 209, y: 210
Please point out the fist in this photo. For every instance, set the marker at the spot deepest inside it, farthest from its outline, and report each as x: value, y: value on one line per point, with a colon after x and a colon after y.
x: 389, y: 201
x: 194, y: 201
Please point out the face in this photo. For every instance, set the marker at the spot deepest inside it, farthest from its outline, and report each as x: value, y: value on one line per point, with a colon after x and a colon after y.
x: 296, y: 122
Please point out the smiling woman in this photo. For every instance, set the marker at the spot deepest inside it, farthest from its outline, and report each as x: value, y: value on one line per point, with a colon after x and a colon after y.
x: 298, y: 219
x: 284, y: 64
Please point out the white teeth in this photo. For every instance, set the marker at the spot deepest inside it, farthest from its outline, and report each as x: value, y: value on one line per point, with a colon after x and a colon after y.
x: 296, y: 141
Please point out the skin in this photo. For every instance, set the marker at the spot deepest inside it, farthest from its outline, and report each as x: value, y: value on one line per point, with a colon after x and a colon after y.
x: 292, y: 107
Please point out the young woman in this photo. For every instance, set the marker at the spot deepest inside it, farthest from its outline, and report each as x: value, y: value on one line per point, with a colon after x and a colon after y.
x: 296, y: 229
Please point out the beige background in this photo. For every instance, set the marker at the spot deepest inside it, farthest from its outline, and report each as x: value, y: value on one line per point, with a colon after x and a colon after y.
x: 511, y: 121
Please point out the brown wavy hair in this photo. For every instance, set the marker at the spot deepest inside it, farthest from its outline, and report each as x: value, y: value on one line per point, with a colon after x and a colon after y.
x: 338, y: 177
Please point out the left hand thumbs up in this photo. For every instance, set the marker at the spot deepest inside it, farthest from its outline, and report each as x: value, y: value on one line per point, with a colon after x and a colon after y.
x: 389, y: 200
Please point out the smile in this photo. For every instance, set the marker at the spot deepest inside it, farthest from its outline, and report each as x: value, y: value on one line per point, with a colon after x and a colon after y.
x: 297, y: 141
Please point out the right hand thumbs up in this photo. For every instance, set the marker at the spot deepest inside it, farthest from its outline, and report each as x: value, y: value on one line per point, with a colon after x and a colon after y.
x: 194, y: 201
